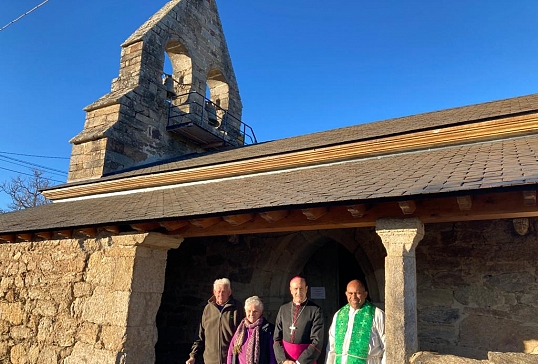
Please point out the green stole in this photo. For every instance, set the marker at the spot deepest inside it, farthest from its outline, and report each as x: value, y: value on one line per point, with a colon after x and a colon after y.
x: 360, y: 337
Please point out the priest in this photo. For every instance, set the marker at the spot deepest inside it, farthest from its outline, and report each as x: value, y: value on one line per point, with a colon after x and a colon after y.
x: 357, y: 332
x: 298, y: 328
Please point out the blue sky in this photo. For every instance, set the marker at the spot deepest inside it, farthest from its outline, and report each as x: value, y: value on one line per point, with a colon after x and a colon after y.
x: 302, y: 66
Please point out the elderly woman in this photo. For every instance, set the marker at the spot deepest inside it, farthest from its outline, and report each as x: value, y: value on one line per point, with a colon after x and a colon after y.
x: 252, y: 342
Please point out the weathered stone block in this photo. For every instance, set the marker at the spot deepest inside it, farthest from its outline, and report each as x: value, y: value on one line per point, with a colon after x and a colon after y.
x: 20, y: 332
x: 82, y: 289
x: 45, y: 308
x: 113, y: 337
x: 423, y: 357
x: 87, y: 354
x: 87, y: 333
x: 12, y: 312
x: 512, y: 358
x: 48, y: 355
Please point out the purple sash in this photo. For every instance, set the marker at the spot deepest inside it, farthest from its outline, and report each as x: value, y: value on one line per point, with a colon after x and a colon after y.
x: 293, y: 351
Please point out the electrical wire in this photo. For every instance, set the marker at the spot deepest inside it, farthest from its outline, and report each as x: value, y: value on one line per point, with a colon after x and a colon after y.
x: 34, y: 155
x: 23, y: 15
x: 26, y: 164
x: 28, y: 174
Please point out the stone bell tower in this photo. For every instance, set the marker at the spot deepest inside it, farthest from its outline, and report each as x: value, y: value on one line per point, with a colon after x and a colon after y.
x: 150, y: 116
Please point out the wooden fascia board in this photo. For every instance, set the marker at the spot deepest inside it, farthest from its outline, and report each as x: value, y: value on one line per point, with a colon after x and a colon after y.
x: 454, y: 135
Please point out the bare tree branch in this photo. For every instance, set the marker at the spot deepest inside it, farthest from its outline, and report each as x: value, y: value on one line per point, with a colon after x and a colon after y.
x: 24, y: 192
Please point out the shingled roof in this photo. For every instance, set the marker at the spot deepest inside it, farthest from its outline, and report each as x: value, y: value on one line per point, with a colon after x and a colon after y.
x: 361, y: 132
x: 508, y: 163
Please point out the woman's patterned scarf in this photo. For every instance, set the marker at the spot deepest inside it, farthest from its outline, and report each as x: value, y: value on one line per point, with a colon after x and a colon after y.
x: 253, y: 344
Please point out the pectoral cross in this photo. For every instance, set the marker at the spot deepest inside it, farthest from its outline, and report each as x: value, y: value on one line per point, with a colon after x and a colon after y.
x: 292, y: 329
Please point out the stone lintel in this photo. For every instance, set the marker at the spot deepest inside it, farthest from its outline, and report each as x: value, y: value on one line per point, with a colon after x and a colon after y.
x: 151, y: 240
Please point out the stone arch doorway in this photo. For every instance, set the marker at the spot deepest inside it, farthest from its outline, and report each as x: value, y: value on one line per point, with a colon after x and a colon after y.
x: 328, y: 271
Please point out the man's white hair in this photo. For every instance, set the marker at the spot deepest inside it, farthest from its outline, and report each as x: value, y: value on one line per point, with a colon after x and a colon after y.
x: 222, y: 282
x: 255, y: 301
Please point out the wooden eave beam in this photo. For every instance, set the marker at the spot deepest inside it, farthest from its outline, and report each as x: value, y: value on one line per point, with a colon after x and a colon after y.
x: 436, y: 210
x: 443, y: 136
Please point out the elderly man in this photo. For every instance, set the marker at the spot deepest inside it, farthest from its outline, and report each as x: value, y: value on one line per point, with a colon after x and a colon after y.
x: 357, y: 332
x: 299, y: 328
x: 220, y: 319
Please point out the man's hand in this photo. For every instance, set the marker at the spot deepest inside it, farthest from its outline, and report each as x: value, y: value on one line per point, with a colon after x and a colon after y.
x: 289, y: 362
x: 190, y: 361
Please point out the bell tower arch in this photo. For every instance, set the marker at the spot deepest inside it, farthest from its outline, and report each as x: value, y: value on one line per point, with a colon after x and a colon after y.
x: 143, y: 119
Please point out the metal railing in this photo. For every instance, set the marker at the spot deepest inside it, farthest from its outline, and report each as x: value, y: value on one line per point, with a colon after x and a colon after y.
x: 195, y: 107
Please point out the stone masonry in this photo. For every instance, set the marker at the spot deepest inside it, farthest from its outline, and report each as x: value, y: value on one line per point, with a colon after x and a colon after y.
x: 128, y: 126
x: 82, y: 300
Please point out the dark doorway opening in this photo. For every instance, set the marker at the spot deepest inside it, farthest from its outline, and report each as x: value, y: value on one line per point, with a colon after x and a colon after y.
x: 330, y: 269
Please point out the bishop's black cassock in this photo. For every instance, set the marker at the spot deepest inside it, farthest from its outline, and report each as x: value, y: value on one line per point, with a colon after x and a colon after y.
x: 299, y: 332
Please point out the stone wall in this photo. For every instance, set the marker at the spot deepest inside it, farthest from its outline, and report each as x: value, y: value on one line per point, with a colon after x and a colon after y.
x: 423, y: 357
x: 478, y: 289
x: 81, y: 300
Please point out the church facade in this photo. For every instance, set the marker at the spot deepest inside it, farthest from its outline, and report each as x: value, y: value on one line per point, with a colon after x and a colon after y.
x: 168, y: 191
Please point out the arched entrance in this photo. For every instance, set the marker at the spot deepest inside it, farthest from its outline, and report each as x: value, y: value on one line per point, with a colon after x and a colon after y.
x: 327, y: 272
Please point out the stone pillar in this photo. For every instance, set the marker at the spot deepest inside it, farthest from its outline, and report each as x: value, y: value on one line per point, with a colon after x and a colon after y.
x: 400, y: 238
x: 119, y: 299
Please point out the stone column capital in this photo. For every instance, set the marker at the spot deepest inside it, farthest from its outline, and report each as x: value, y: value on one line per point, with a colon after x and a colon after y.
x: 400, y: 236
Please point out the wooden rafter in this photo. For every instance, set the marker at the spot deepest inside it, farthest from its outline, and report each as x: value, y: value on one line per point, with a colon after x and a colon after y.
x: 68, y: 234
x: 114, y: 229
x: 357, y: 210
x: 529, y: 198
x: 407, y: 207
x: 8, y: 238
x: 143, y: 227
x: 90, y: 232
x: 274, y: 216
x: 174, y: 225
x: 46, y: 235
x: 205, y: 222
x: 236, y: 220
x: 464, y: 202
x: 315, y: 213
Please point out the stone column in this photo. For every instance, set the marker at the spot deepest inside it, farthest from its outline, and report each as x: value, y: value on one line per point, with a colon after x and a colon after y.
x: 119, y: 299
x: 400, y: 238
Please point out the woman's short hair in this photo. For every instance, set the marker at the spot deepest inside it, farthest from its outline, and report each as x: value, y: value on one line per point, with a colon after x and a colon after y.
x: 254, y: 300
x: 222, y: 282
